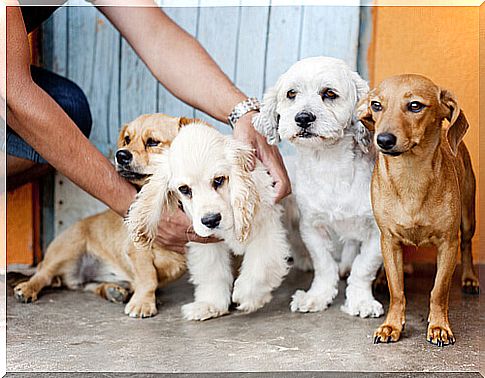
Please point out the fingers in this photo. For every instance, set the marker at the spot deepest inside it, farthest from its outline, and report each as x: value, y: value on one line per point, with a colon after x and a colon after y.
x: 281, y: 191
x: 179, y: 248
x: 273, y: 161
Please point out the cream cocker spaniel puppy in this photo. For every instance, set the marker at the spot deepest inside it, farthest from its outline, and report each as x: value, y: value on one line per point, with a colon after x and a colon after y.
x: 312, y: 106
x: 208, y: 174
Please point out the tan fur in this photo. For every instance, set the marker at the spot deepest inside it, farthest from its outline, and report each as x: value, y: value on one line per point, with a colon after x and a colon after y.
x: 158, y: 127
x: 423, y: 196
x: 104, y: 237
x: 244, y: 197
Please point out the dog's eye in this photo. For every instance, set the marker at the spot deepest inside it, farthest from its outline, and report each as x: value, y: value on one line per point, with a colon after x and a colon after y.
x: 376, y: 106
x: 328, y: 93
x: 152, y: 142
x: 415, y: 106
x: 291, y: 94
x: 185, y: 190
x: 127, y: 140
x: 218, y: 182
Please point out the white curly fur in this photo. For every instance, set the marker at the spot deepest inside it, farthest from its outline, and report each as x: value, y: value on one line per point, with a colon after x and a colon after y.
x: 332, y: 180
x: 250, y: 221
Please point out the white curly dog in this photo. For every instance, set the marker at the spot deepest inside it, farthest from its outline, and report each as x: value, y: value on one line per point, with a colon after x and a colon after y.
x: 312, y: 106
x: 208, y: 174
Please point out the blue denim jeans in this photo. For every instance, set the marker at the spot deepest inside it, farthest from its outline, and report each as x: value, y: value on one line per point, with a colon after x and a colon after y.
x: 68, y: 95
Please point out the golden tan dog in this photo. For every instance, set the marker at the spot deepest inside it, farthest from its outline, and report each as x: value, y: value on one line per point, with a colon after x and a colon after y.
x: 97, y: 254
x: 423, y: 192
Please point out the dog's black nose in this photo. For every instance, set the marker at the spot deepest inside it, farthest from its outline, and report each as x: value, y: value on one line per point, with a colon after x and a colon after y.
x: 304, y: 119
x: 123, y: 157
x: 211, y: 220
x: 386, y: 141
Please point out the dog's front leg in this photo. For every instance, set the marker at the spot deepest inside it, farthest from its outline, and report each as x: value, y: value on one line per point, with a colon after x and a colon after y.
x: 439, y: 330
x: 143, y: 302
x: 391, y: 329
x: 263, y: 268
x: 325, y: 280
x: 210, y: 271
x: 359, y: 299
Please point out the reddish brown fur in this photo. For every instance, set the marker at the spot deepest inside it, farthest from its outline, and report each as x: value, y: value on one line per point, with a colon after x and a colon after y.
x: 423, y: 196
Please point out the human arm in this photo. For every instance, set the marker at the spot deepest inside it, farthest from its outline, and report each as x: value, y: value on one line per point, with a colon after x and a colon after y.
x: 43, y: 124
x: 182, y: 65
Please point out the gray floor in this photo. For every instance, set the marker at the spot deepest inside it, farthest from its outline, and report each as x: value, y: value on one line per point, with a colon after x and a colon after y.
x: 73, y: 331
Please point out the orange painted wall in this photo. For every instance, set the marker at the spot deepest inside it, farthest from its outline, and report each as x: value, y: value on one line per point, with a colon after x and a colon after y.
x: 20, y: 229
x: 439, y: 42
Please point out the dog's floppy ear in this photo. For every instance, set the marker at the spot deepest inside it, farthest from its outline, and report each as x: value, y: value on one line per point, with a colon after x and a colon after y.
x: 153, y: 199
x: 185, y: 121
x: 266, y: 121
x: 363, y: 113
x: 244, y: 196
x: 458, y: 122
x: 361, y: 86
x: 362, y: 123
x: 121, y: 136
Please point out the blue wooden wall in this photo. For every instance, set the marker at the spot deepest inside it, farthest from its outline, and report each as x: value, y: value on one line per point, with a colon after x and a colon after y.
x: 253, y: 46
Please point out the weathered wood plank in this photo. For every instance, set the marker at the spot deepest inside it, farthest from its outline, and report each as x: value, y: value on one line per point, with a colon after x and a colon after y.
x: 54, y: 45
x: 96, y: 69
x: 93, y: 63
x: 55, y: 59
x: 72, y: 204
x: 283, y: 38
x: 251, y: 50
x: 321, y: 36
x: 187, y: 19
x: 105, y: 85
x: 282, y: 48
x: 217, y: 32
x: 138, y: 87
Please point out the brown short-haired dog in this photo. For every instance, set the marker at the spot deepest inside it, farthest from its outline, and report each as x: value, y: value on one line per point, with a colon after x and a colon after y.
x: 97, y: 254
x: 423, y: 191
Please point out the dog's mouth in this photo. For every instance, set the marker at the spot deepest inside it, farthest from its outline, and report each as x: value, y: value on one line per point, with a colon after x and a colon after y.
x: 397, y: 153
x: 130, y: 175
x: 391, y: 153
x: 304, y: 134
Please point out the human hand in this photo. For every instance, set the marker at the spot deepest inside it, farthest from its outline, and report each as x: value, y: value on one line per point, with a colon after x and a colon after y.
x: 269, y: 155
x: 176, y: 231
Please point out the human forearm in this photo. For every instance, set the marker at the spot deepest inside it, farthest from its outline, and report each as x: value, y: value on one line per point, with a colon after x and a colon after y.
x: 178, y: 61
x: 42, y: 123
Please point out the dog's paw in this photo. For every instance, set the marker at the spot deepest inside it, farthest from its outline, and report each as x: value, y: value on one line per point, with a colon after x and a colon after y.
x: 470, y: 285
x: 304, y: 301
x: 116, y: 294
x: 141, y: 308
x: 25, y: 293
x: 250, y: 304
x: 249, y: 298
x: 364, y: 308
x: 387, y: 333
x: 440, y: 335
x: 202, y: 311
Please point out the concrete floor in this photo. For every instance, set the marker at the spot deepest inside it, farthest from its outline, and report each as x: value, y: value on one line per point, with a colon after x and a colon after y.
x: 75, y: 331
